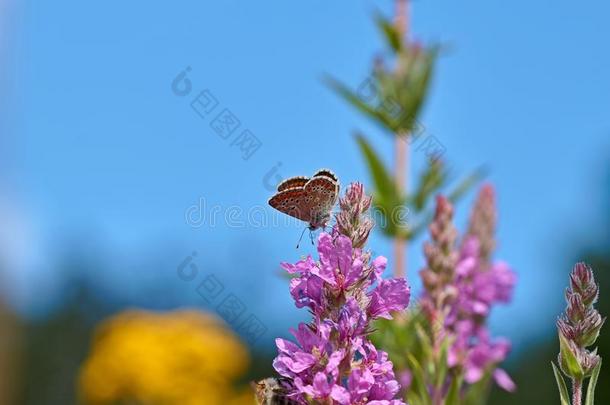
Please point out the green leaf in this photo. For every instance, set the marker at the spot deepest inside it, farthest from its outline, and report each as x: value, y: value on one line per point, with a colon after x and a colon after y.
x: 389, y: 31
x: 433, y: 178
x: 412, y: 85
x: 467, y: 184
x: 384, y: 182
x: 453, y: 396
x: 442, y: 367
x: 569, y: 362
x: 419, y: 380
x: 414, y: 230
x: 357, y: 102
x: 592, y: 383
x: 561, y: 384
x: 386, y: 195
x: 478, y: 392
x: 424, y: 341
x: 419, y: 224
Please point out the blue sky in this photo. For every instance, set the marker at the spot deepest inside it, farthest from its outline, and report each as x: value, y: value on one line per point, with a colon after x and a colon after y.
x: 102, y: 152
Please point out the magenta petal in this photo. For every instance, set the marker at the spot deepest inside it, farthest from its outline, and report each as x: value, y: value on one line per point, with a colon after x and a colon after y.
x: 321, y: 386
x: 390, y: 295
x: 360, y: 382
x: 379, y: 265
x: 325, y: 248
x: 473, y: 374
x: 286, y: 346
x: 466, y: 266
x: 302, y: 361
x: 333, y: 362
x: 386, y: 402
x: 340, y: 395
x: 505, y: 279
x: 280, y: 366
x: 503, y: 380
x: 343, y: 252
x: 354, y: 272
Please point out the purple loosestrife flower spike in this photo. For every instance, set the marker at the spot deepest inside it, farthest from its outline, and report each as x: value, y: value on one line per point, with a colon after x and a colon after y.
x: 461, y: 286
x: 332, y: 360
x: 352, y: 219
x: 481, y: 283
x: 482, y: 223
x: 441, y: 259
x: 579, y: 325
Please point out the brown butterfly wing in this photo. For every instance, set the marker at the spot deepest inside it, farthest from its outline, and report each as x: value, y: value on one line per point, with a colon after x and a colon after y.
x: 327, y: 173
x: 294, y: 202
x: 322, y: 193
x: 293, y: 182
x: 310, y: 200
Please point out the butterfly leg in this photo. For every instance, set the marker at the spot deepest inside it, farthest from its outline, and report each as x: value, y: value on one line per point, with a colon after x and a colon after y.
x: 301, y: 238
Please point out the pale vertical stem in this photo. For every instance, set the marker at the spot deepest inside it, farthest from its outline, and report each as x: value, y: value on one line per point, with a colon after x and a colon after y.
x: 402, y: 16
x: 401, y: 150
x: 577, y: 391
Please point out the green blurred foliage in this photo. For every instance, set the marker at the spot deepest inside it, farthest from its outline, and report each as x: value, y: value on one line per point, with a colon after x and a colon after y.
x: 54, y: 349
x: 395, y: 97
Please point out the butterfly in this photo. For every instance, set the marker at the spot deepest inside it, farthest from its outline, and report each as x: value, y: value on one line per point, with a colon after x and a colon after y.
x: 308, y: 199
x: 273, y: 391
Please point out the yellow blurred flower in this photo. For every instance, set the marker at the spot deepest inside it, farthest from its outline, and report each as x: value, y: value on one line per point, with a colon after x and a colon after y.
x: 184, y: 357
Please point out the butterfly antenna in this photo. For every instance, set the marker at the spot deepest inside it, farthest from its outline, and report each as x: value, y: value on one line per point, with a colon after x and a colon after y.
x: 301, y: 238
x: 311, y: 238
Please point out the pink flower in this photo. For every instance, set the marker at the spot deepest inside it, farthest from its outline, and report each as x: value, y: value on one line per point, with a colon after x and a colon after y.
x: 503, y: 380
x: 337, y: 266
x: 478, y: 289
x: 461, y: 287
x: 332, y: 360
x: 389, y: 296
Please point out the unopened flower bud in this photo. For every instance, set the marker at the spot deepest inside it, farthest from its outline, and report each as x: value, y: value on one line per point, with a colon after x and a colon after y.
x: 429, y: 279
x: 582, y: 282
x: 590, y: 328
x: 590, y: 360
x: 353, y: 220
x: 576, y: 309
x: 580, y: 325
x: 483, y: 221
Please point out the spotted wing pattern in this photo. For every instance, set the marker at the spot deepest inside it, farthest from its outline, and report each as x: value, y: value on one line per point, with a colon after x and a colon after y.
x: 293, y: 182
x: 291, y: 202
x: 322, y: 193
x: 310, y: 200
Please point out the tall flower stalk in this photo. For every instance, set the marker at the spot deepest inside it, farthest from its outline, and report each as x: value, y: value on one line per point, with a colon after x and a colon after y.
x: 579, y: 327
x: 393, y: 96
x: 333, y: 361
x: 480, y: 283
x: 438, y: 280
x: 401, y: 149
x: 449, y: 351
